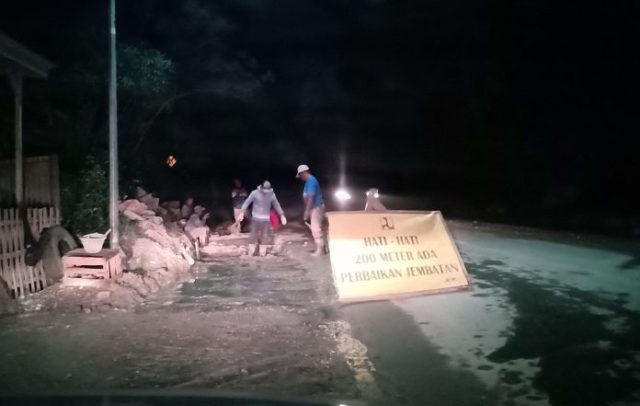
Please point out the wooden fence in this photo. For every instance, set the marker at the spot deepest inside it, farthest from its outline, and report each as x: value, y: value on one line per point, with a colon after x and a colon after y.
x: 20, y: 278
x: 41, y: 181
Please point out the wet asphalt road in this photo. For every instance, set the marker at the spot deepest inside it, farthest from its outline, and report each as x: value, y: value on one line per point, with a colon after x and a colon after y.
x: 552, y: 318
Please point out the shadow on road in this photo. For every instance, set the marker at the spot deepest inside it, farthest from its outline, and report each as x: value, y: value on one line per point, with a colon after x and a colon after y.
x: 410, y: 369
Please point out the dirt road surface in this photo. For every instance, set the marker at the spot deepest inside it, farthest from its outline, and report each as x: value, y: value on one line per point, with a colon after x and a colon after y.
x: 552, y: 319
x: 253, y: 324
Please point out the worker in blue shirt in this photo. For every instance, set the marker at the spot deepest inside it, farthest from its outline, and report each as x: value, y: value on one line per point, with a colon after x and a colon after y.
x: 313, y: 208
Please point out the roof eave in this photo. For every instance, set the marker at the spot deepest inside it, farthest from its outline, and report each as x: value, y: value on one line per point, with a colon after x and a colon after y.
x: 26, y: 61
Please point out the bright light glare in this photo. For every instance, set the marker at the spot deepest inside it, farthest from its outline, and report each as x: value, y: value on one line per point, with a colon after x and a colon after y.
x: 376, y: 195
x: 342, y: 195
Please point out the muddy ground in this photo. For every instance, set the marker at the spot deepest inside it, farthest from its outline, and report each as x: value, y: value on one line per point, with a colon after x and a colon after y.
x: 253, y: 324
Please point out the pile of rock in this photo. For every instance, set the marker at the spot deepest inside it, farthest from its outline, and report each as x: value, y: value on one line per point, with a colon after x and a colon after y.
x: 150, y: 245
x: 135, y: 210
x: 165, y: 225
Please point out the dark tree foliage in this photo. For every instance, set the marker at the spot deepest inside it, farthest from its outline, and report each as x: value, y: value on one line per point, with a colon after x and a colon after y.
x: 85, y: 199
x: 511, y: 110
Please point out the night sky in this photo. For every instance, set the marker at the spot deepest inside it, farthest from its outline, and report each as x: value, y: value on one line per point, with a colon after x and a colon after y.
x: 498, y: 108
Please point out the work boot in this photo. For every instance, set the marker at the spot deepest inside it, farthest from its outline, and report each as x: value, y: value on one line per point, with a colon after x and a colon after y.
x: 315, y: 248
x: 251, y: 250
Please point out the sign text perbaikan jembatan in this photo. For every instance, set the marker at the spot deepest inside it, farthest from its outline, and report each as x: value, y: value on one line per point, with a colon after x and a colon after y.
x: 376, y: 255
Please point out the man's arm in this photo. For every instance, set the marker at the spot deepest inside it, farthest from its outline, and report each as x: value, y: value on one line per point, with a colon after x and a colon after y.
x: 308, y: 205
x: 276, y: 206
x: 310, y: 190
x: 247, y: 202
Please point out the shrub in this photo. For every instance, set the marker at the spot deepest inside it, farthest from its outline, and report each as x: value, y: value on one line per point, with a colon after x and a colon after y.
x: 87, y: 199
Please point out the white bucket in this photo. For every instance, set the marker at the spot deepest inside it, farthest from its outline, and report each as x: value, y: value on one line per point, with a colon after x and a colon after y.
x: 92, y: 243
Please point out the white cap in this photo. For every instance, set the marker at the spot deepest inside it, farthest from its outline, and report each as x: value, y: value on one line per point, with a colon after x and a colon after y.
x: 302, y: 168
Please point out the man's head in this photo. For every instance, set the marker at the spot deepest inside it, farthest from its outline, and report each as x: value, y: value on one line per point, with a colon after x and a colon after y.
x: 266, y: 186
x: 303, y: 172
x: 237, y: 183
x: 189, y: 201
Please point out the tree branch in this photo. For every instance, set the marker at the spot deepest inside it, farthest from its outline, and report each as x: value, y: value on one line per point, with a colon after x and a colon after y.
x: 147, y: 126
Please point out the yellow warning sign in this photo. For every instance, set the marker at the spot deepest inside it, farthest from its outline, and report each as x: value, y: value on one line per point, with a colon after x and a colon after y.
x: 377, y: 255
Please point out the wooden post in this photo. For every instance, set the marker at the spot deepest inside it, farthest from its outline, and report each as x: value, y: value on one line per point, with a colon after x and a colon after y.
x: 15, y: 78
